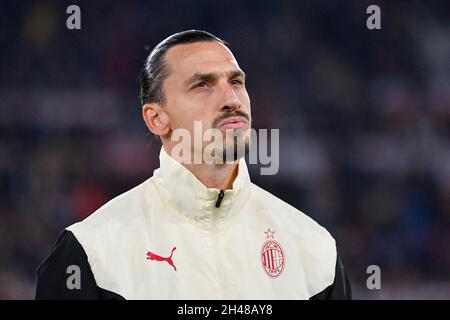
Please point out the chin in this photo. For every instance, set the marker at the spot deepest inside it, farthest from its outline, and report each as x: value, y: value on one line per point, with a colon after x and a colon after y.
x: 235, y: 150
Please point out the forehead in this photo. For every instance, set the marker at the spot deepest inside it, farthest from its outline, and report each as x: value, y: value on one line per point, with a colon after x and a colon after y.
x: 200, y: 57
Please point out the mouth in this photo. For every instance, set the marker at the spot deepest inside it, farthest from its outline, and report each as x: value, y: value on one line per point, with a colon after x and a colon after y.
x: 233, y: 123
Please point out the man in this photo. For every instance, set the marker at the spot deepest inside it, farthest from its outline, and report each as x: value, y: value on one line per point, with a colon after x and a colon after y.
x: 195, y: 229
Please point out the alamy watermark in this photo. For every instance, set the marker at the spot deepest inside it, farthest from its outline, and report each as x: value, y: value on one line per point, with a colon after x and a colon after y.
x: 374, y: 280
x: 74, y: 279
x: 214, y: 146
x: 74, y: 20
x: 374, y: 20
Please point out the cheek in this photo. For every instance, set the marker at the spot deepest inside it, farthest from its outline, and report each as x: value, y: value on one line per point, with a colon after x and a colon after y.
x: 184, y: 110
x: 184, y: 116
x: 181, y: 112
x: 202, y: 107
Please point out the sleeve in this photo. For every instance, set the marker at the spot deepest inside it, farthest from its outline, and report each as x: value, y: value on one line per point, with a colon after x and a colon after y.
x: 340, y: 289
x: 67, y: 275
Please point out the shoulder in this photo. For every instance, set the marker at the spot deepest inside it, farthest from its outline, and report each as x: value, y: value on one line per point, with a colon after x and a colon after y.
x: 67, y: 274
x: 125, y: 210
x: 66, y: 257
x: 315, y: 247
x: 292, y: 219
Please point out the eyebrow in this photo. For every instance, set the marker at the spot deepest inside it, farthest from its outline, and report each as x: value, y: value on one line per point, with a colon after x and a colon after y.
x: 212, y: 76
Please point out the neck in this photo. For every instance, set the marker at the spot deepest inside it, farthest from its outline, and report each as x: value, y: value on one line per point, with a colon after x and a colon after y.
x: 219, y: 176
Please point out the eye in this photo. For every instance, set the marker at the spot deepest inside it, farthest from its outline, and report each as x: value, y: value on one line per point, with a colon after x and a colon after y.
x: 235, y: 81
x: 200, y: 85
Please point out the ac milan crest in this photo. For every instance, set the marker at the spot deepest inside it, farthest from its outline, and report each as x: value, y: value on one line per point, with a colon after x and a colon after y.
x: 272, y: 256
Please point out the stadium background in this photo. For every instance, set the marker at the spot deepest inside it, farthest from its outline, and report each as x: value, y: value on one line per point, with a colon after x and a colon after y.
x: 364, y: 119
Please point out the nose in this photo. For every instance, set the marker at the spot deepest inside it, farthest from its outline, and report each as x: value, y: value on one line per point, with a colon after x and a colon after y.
x: 230, y: 100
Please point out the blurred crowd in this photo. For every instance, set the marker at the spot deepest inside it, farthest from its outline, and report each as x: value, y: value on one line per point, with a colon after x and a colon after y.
x: 364, y: 119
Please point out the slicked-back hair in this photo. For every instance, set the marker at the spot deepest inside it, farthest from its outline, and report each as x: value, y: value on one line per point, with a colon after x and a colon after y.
x: 155, y: 70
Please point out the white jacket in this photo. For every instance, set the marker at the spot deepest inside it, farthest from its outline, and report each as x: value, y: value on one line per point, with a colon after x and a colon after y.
x: 173, y: 238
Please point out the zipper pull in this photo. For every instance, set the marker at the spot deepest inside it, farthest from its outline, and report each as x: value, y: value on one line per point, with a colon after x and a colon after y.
x: 219, y: 198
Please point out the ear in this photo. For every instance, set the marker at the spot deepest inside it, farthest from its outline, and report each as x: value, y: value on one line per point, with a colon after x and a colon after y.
x: 156, y: 119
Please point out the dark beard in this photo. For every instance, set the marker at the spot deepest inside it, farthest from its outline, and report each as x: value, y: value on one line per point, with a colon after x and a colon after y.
x: 241, y: 147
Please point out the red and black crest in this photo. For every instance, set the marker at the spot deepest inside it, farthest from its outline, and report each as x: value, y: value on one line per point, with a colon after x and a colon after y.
x: 272, y: 256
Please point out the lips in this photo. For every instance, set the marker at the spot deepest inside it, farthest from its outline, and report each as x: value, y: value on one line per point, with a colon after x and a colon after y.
x: 233, y: 123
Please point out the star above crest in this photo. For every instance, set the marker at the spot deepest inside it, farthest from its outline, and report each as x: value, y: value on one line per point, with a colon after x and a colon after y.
x: 269, y: 233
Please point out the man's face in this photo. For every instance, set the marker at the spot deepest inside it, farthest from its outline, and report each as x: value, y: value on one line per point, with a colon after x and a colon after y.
x: 206, y: 84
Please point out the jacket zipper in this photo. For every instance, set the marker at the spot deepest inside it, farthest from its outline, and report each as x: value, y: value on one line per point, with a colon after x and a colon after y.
x: 219, y: 198
x: 216, y: 247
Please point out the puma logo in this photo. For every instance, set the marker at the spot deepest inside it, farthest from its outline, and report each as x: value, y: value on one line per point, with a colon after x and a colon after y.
x: 152, y: 256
